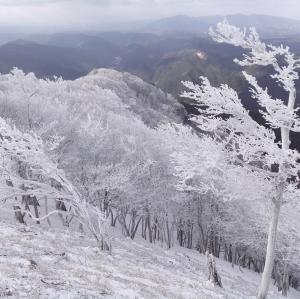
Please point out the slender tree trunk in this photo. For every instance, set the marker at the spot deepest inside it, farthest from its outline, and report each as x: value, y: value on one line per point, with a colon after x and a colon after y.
x: 168, y: 234
x: 285, y: 280
x: 47, y: 211
x: 149, y: 227
x: 266, y: 276
x: 213, y: 275
x: 233, y: 250
x: 133, y: 232
x: 36, y: 211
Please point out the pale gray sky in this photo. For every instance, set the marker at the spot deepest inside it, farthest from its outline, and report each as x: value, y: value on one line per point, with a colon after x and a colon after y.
x: 86, y: 14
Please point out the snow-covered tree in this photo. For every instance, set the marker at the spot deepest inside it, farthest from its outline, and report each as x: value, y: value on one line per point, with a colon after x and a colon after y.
x: 42, y: 180
x: 109, y: 152
x: 235, y: 156
x: 125, y: 169
x: 278, y: 114
x: 27, y: 150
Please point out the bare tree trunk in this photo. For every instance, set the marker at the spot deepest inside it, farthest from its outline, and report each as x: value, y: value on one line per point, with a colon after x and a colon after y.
x: 266, y: 276
x: 285, y: 141
x: 47, y: 211
x: 155, y: 229
x: 233, y: 253
x: 122, y: 219
x: 19, y: 215
x: 36, y: 211
x: 168, y: 234
x: 60, y: 206
x: 113, y: 219
x: 133, y: 232
x: 143, y: 228
x: 213, y: 275
x: 148, y: 224
x: 285, y: 280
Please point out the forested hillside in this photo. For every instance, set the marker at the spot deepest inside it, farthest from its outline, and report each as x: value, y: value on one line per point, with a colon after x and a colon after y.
x: 102, y: 131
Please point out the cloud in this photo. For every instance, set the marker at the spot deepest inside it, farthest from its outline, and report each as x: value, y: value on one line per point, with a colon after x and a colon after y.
x: 93, y: 2
x: 25, y: 2
x: 85, y: 14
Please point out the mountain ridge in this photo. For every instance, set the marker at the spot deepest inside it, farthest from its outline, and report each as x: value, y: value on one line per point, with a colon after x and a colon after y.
x: 266, y: 24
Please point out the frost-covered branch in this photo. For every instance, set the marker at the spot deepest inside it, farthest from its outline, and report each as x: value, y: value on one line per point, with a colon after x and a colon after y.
x: 41, y: 178
x: 276, y: 113
x: 260, y: 53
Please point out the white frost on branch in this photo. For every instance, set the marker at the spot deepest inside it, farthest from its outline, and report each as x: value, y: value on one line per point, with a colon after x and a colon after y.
x: 275, y: 112
x: 283, y: 61
x: 222, y: 113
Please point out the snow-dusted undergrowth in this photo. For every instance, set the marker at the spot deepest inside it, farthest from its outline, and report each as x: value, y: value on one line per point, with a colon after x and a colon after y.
x: 35, y: 263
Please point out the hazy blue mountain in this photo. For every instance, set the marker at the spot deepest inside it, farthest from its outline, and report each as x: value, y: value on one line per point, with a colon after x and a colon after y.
x: 66, y: 60
x: 43, y: 60
x: 268, y: 26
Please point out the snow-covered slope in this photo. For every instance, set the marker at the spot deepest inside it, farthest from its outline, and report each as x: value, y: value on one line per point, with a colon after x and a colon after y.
x: 150, y: 103
x: 36, y: 263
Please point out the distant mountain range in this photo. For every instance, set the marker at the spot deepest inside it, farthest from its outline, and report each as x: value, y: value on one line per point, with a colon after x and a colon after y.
x: 268, y: 26
x: 162, y: 53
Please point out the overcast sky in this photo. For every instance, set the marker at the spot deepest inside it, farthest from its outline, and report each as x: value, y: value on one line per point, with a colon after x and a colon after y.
x: 88, y: 14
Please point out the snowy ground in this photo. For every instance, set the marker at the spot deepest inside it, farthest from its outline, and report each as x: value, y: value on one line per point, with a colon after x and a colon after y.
x: 55, y: 264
